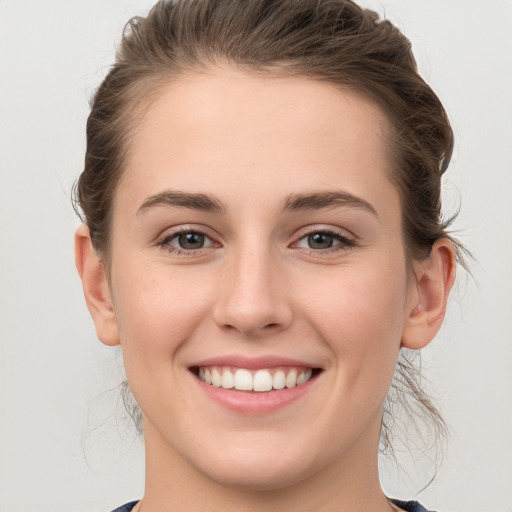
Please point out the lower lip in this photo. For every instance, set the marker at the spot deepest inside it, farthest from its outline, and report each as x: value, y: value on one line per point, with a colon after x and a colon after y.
x: 255, y: 402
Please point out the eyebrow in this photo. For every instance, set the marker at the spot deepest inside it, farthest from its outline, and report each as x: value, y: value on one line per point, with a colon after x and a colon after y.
x: 190, y: 200
x: 326, y: 199
x: 294, y: 202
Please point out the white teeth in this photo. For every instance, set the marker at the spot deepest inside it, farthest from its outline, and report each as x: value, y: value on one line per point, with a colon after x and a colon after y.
x: 216, y: 378
x: 228, y: 380
x: 261, y: 381
x: 291, y: 379
x: 243, y: 380
x: 279, y: 380
x: 304, y: 376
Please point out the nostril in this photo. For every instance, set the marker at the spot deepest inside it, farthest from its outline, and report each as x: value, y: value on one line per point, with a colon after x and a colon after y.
x: 252, y: 329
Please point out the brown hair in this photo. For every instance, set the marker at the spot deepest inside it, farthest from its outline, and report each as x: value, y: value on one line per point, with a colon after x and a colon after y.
x: 330, y: 40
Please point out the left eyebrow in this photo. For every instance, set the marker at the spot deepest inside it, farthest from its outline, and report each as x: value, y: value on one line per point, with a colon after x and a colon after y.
x: 326, y: 199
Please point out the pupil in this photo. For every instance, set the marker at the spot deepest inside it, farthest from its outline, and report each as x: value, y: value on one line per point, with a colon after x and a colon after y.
x: 320, y: 241
x: 191, y: 240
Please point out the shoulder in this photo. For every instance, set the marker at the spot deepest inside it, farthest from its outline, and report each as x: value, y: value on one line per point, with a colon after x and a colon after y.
x: 407, y: 506
x: 126, y: 508
x: 410, y: 506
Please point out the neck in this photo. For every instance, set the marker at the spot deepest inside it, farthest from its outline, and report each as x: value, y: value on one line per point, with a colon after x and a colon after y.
x: 172, y: 484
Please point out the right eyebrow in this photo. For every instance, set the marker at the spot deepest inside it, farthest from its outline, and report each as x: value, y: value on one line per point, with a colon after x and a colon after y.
x: 189, y: 200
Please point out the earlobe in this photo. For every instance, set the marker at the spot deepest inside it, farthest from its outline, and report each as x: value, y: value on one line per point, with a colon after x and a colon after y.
x: 434, y: 278
x: 96, y: 288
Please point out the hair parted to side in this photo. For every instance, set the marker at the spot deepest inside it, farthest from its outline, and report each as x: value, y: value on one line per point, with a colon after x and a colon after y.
x: 335, y: 41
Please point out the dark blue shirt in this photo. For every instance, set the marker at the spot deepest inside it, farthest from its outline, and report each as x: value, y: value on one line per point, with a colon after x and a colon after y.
x: 408, y: 506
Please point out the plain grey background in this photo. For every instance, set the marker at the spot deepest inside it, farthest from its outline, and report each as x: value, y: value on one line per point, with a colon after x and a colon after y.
x: 64, y: 446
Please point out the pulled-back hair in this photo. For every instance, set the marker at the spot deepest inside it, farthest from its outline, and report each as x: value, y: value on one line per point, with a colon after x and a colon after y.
x: 335, y: 41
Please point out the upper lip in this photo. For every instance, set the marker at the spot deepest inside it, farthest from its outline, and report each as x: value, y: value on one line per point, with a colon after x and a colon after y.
x: 252, y: 363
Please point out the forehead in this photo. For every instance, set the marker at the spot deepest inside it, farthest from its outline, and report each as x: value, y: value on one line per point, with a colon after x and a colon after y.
x: 231, y: 132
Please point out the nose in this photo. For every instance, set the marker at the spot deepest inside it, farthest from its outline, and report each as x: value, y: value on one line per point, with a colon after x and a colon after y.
x: 253, y: 298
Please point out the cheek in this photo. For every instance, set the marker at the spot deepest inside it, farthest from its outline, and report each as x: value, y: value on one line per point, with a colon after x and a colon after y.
x: 361, y: 318
x: 157, y: 309
x: 158, y: 306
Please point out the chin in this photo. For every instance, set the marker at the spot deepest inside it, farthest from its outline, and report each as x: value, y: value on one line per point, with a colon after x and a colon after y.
x: 261, y: 477
x: 257, y: 466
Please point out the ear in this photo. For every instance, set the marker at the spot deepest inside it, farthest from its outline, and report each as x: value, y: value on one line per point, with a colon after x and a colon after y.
x: 433, y: 278
x: 96, y: 288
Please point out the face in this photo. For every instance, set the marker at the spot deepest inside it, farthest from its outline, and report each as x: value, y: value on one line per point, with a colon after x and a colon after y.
x: 258, y: 276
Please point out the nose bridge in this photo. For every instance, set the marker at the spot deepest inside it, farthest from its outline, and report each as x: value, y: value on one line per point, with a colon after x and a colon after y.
x: 253, y: 298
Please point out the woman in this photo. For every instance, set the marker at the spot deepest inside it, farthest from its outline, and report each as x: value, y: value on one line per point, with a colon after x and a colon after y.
x: 263, y: 236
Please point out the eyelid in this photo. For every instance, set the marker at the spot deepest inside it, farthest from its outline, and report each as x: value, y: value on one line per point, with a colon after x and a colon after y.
x: 328, y: 229
x: 346, y: 240
x: 169, y: 239
x: 186, y: 228
x: 172, y: 232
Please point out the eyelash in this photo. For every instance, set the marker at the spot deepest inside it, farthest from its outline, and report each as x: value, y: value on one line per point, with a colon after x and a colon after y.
x: 165, y: 242
x: 344, y: 242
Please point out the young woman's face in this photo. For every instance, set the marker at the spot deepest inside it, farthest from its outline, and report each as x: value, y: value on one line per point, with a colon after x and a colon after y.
x: 257, y: 243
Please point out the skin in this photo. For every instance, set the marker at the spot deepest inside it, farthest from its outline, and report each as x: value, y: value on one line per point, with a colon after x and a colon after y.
x: 258, y: 289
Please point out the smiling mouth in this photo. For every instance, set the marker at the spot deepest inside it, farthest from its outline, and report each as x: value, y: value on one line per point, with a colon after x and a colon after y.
x: 259, y: 381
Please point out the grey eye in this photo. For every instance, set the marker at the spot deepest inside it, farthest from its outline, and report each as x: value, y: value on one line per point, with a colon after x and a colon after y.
x: 190, y: 241
x: 323, y: 241
x: 320, y: 241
